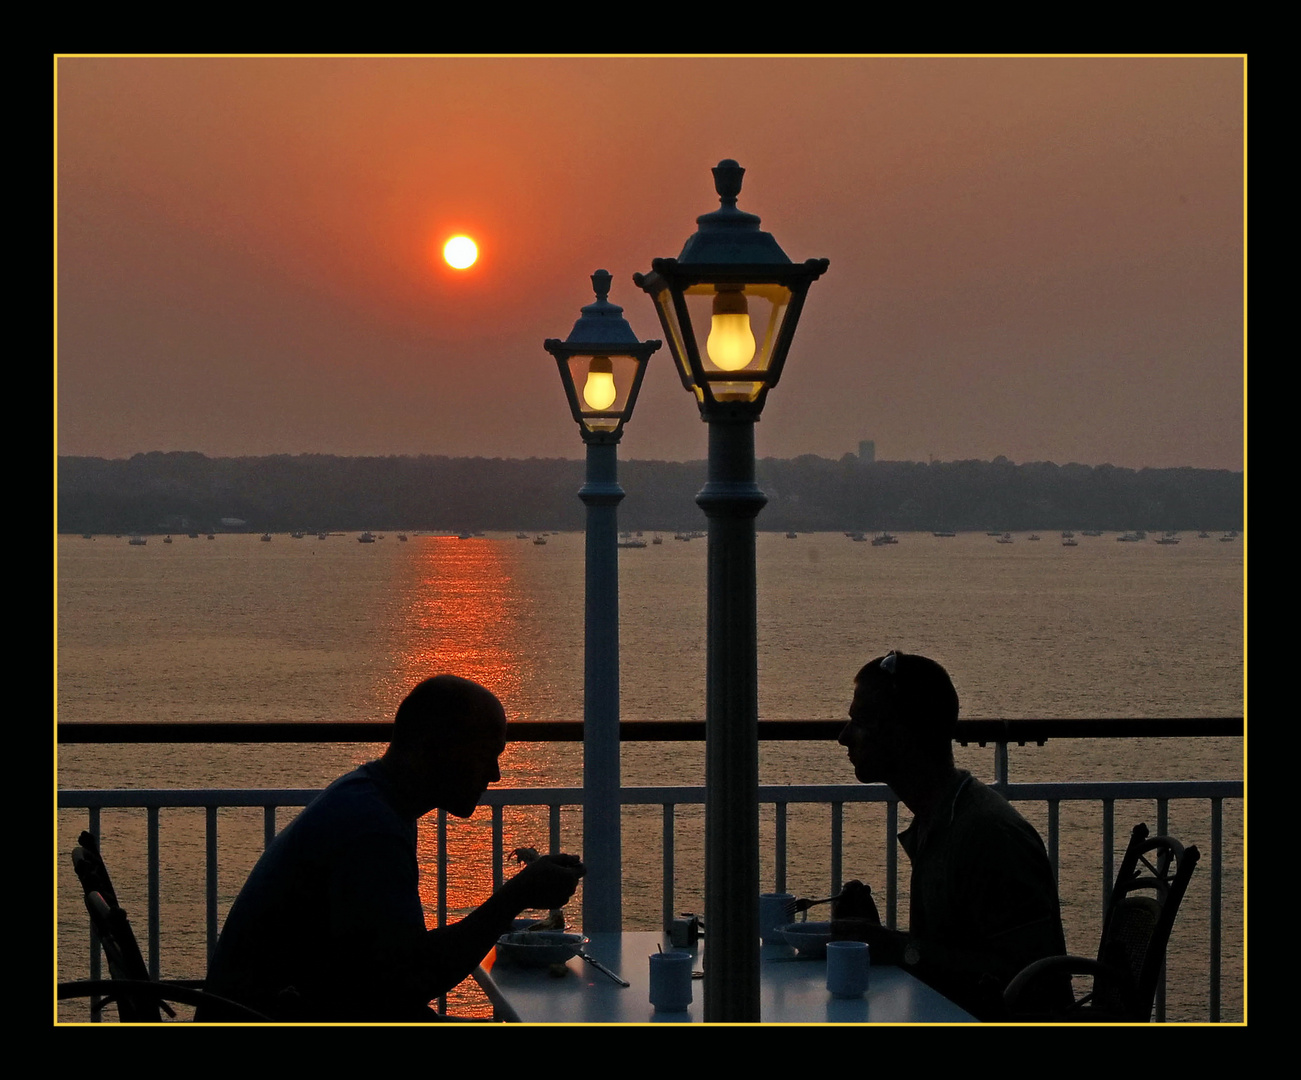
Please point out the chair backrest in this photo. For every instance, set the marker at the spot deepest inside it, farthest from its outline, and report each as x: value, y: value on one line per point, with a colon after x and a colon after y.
x: 90, y: 868
x: 1149, y: 887
x: 113, y: 929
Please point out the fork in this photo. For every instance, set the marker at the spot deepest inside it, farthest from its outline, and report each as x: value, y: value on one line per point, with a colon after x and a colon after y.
x: 801, y: 906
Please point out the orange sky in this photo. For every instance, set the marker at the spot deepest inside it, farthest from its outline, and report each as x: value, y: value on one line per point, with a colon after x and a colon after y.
x: 1041, y: 258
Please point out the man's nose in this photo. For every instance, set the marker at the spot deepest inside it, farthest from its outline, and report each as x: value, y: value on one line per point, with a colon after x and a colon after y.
x: 844, y: 734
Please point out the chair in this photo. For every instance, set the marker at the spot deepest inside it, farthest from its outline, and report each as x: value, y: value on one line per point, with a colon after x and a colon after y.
x: 139, y: 999
x: 1140, y: 914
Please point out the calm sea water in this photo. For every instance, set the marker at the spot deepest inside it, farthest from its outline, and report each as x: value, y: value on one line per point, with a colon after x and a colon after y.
x: 239, y: 629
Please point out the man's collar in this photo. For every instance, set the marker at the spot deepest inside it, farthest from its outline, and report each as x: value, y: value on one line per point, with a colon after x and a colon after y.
x: 918, y: 834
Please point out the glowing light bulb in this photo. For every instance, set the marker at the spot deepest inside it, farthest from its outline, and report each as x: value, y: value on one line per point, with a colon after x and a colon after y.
x: 731, y: 343
x: 599, y: 391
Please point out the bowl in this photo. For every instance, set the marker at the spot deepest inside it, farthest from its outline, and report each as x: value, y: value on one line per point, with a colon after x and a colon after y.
x: 538, y: 948
x: 808, y: 938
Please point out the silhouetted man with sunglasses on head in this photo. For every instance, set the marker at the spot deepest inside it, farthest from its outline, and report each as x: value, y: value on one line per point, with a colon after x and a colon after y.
x: 983, y: 899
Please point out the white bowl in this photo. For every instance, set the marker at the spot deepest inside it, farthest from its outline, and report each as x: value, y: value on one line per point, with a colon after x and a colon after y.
x: 538, y: 948
x: 807, y: 938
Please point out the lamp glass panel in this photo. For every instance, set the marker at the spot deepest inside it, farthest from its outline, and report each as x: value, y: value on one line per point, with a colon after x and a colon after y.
x: 672, y: 327
x: 588, y: 385
x: 712, y: 308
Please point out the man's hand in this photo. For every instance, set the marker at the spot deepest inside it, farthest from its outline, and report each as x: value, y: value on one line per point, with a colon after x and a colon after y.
x: 547, y: 882
x: 855, y: 902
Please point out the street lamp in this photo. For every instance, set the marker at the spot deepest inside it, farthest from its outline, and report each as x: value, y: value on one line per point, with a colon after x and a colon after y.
x: 601, y: 365
x: 729, y: 305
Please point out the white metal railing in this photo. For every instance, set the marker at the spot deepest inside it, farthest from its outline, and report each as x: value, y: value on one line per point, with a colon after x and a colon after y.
x: 778, y: 798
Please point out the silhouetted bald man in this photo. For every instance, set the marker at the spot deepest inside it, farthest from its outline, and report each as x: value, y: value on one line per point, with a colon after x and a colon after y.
x: 329, y: 925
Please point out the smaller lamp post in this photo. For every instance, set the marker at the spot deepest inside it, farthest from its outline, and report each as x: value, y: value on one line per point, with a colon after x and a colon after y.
x: 601, y: 365
x: 729, y: 305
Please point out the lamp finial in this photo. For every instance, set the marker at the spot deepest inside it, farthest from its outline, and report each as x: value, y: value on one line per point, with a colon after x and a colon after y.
x: 727, y: 181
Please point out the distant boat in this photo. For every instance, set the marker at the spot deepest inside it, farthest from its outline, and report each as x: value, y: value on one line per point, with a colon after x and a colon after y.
x: 1131, y: 537
x: 1228, y: 537
x: 539, y: 540
x: 791, y: 535
x: 366, y: 538
x: 1203, y: 535
x: 87, y: 536
x: 944, y: 533
x: 521, y: 536
x: 464, y: 535
x: 137, y: 541
x: 632, y: 543
x: 402, y: 537
x: 297, y: 535
x: 1006, y: 538
x: 167, y: 539
x: 1070, y: 541
x: 211, y: 537
x: 1033, y: 536
x: 1092, y: 532
x: 883, y: 539
x: 1067, y: 534
x: 321, y: 536
x: 194, y: 536
x: 266, y: 538
x: 658, y: 539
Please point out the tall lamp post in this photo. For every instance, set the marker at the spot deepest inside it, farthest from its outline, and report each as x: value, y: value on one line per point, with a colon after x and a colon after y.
x: 729, y: 305
x: 602, y: 365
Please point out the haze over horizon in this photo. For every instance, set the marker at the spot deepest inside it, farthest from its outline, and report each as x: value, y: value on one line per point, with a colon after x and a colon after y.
x: 1040, y: 258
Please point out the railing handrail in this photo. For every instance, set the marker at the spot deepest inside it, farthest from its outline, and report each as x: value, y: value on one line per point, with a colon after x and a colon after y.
x: 681, y: 795
x: 983, y: 731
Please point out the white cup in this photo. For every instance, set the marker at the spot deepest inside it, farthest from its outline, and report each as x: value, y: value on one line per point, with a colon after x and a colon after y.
x: 848, y: 964
x: 670, y: 980
x: 775, y: 910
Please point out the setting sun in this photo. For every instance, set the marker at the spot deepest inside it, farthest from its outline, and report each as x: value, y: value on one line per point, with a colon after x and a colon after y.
x: 460, y: 252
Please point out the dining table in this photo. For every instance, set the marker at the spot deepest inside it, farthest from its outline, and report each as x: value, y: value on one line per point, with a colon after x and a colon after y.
x: 793, y: 989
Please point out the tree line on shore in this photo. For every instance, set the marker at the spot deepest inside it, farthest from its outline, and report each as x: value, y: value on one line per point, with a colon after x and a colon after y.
x: 183, y: 490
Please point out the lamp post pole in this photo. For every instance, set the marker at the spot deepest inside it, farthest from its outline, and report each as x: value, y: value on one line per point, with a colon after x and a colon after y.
x: 602, y: 829
x: 729, y: 305
x: 731, y: 500
x: 601, y: 366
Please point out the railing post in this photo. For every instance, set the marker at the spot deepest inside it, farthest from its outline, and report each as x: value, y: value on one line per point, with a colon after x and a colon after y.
x: 1000, y: 764
x: 96, y: 970
x: 891, y: 864
x: 498, y: 848
x: 837, y: 845
x: 780, y: 854
x: 667, y: 846
x: 1054, y: 835
x: 151, y: 815
x: 210, y: 876
x: 1108, y: 851
x: 1217, y: 850
x: 441, y: 899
